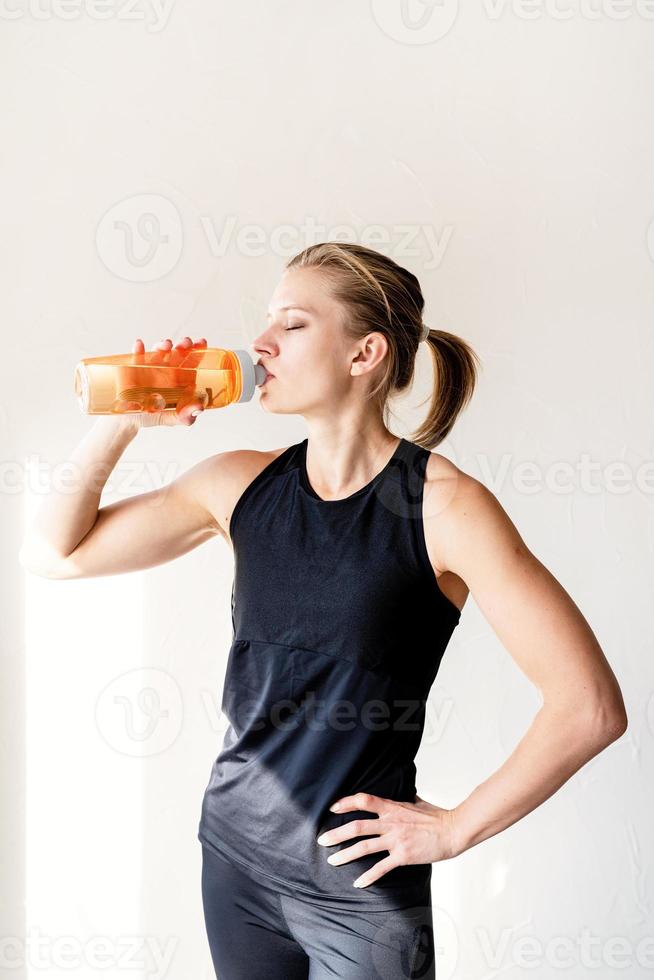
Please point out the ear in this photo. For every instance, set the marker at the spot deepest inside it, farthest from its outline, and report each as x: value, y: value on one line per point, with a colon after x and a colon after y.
x: 370, y: 352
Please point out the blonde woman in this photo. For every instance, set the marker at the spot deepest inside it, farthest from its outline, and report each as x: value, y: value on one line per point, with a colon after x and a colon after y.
x: 354, y: 552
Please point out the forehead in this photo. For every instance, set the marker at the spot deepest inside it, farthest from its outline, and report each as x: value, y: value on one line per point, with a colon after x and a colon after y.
x: 294, y: 306
x: 301, y: 290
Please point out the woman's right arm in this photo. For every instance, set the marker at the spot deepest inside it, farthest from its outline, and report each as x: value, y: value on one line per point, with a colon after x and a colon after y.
x: 72, y: 538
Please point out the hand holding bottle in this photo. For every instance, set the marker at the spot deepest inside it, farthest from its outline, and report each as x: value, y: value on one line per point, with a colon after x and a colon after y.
x: 187, y: 404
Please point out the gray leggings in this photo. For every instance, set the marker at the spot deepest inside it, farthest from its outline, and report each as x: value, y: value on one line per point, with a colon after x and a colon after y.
x: 255, y: 933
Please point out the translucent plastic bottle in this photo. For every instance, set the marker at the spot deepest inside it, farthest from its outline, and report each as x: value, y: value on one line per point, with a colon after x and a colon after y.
x: 123, y: 383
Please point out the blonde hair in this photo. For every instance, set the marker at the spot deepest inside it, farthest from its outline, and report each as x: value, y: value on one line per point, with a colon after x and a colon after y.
x: 378, y: 294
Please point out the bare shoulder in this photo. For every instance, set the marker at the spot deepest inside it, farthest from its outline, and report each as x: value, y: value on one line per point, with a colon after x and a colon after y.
x: 228, y: 475
x: 459, y: 513
x: 448, y: 489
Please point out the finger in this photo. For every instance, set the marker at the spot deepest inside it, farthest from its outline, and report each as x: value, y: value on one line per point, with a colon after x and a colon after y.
x: 190, y: 417
x: 182, y: 416
x: 184, y: 344
x: 355, y: 828
x: 192, y: 414
x: 137, y: 347
x: 375, y: 873
x: 189, y: 412
x: 192, y: 401
x: 359, y: 850
x: 165, y: 348
x: 201, y: 343
x: 360, y: 801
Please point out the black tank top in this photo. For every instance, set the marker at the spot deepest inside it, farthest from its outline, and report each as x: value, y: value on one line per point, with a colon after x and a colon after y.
x: 339, y: 627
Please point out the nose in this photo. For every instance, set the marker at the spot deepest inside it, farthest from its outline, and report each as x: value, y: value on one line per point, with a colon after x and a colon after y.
x: 259, y: 345
x: 260, y: 352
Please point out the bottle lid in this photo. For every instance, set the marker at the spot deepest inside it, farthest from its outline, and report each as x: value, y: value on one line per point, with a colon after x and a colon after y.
x: 251, y: 373
x: 82, y: 387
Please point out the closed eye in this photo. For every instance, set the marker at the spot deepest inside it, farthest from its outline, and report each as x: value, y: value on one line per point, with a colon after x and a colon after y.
x: 298, y: 327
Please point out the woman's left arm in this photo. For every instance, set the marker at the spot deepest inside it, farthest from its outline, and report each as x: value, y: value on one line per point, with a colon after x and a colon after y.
x: 551, y: 642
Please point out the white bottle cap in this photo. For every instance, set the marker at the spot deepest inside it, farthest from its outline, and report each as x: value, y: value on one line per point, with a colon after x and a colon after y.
x: 82, y: 387
x: 251, y: 373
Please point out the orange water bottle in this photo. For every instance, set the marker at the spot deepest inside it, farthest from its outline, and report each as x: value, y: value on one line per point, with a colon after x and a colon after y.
x: 140, y: 382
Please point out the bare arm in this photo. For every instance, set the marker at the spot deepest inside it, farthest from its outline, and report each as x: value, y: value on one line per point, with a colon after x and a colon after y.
x: 550, y: 640
x: 139, y: 532
x: 71, y: 538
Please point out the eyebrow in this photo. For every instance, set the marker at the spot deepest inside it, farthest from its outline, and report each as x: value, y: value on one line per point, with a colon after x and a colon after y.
x: 304, y: 309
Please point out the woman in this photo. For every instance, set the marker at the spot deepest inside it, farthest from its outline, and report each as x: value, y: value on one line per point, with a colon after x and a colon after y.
x: 354, y: 554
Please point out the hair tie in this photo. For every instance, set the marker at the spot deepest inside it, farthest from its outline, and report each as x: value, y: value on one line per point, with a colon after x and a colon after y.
x: 425, y: 332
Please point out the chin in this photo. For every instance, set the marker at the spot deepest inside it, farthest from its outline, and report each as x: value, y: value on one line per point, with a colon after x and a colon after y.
x: 275, y: 407
x: 268, y: 405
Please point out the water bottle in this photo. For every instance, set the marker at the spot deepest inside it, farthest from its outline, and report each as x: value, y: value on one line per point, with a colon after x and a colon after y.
x: 140, y: 382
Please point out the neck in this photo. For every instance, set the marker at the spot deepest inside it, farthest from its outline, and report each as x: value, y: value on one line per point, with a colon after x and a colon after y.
x: 343, y: 458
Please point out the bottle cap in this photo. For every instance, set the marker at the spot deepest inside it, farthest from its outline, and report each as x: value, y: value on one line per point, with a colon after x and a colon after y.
x: 82, y: 387
x: 251, y: 373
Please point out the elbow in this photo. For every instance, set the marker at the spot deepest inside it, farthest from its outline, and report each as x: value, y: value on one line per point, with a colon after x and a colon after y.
x: 606, y: 722
x: 590, y: 725
x: 35, y: 561
x: 614, y: 717
x: 618, y: 724
x: 26, y: 561
x: 33, y: 567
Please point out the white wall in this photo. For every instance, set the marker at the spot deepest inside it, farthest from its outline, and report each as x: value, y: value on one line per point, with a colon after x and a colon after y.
x: 506, y: 155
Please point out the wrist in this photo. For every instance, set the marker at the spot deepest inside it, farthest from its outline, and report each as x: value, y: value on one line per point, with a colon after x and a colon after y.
x: 458, y: 838
x: 120, y: 425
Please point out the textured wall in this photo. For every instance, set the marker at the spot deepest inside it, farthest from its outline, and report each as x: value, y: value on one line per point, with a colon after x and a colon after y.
x: 160, y: 162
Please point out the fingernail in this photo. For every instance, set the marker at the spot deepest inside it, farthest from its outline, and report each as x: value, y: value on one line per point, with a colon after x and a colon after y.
x: 196, y: 412
x: 335, y: 807
x: 321, y: 839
